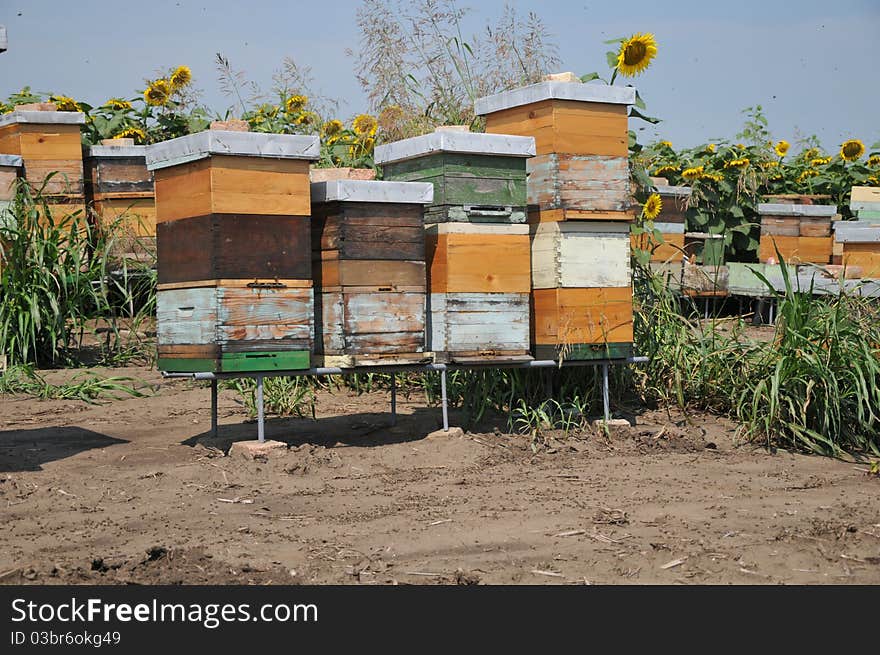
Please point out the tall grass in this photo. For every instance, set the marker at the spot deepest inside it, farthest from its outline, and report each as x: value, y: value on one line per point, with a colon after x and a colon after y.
x: 57, y: 278
x: 814, y: 386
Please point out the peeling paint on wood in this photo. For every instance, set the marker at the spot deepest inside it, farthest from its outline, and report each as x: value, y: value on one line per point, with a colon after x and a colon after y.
x: 579, y: 182
x: 473, y: 323
x: 573, y: 255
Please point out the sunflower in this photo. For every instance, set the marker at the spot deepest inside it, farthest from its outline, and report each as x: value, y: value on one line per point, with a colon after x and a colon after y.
x: 364, y: 124
x: 64, y: 103
x: 295, y: 104
x: 852, y: 149
x: 118, y: 104
x: 820, y: 161
x: 743, y: 162
x: 692, y: 173
x: 635, y: 54
x: 663, y: 171
x: 740, y: 146
x: 132, y: 133
x: 710, y: 148
x: 807, y: 174
x: 812, y: 153
x: 714, y: 177
x: 769, y: 164
x: 306, y: 118
x: 666, y: 144
x: 782, y: 147
x: 652, y: 207
x: 874, y: 180
x: 332, y: 128
x: 181, y: 76
x: 874, y: 161
x: 156, y: 93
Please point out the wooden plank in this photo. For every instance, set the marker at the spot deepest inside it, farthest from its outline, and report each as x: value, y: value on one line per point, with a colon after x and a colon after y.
x: 815, y: 227
x: 705, y: 280
x: 235, y: 246
x: 478, y: 263
x: 55, y: 176
x: 380, y: 359
x: 189, y: 351
x: 183, y: 191
x: 816, y: 250
x: 244, y: 284
x: 584, y: 351
x: 379, y: 313
x: 561, y: 316
x: 589, y: 183
x: 35, y: 142
x: 136, y: 216
x: 388, y: 232
x: 276, y: 187
x: 560, y: 215
x: 268, y: 360
x: 864, y: 255
x: 568, y: 256
x: 186, y: 316
x: 670, y: 249
x: 331, y: 273
x: 478, y: 322
x: 329, y: 332
x: 787, y: 226
x: 859, y: 193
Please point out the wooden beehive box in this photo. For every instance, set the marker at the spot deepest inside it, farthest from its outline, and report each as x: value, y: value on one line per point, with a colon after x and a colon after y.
x: 801, y: 233
x: 234, y: 251
x: 581, y: 140
x: 581, y: 290
x: 10, y: 170
x: 865, y: 202
x: 478, y: 178
x: 368, y: 249
x: 859, y: 243
x: 478, y: 300
x: 48, y: 142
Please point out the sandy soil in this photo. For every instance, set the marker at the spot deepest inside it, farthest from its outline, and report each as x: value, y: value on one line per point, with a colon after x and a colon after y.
x: 137, y: 491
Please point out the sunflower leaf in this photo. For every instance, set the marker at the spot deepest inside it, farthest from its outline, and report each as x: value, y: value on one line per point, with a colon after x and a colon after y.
x: 639, y: 102
x: 589, y: 77
x: 620, y: 40
x: 635, y: 113
x: 611, y: 57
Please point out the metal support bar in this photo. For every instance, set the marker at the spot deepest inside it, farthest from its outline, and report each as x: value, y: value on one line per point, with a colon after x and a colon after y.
x: 443, y: 400
x: 261, y: 427
x: 393, y: 400
x: 214, y: 408
x: 605, y: 401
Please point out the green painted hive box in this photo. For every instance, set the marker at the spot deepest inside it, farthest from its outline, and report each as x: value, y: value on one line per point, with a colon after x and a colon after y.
x: 477, y: 178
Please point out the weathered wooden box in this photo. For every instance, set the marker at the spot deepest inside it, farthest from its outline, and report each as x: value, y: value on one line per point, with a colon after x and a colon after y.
x: 120, y: 187
x: 374, y: 311
x: 581, y: 168
x: 478, y: 301
x: 800, y: 232
x: 859, y: 245
x: 477, y: 177
x: 581, y: 290
x: 235, y: 325
x: 48, y: 142
x: 865, y: 202
x: 233, y: 226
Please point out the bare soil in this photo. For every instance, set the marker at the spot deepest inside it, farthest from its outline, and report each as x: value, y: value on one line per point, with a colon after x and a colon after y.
x: 137, y: 491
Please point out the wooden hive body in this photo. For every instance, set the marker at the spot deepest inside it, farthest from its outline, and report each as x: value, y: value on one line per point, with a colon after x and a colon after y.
x: 477, y: 178
x: 10, y: 171
x: 50, y: 146
x: 859, y: 245
x: 368, y: 247
x: 800, y: 233
x: 478, y: 302
x: 234, y: 251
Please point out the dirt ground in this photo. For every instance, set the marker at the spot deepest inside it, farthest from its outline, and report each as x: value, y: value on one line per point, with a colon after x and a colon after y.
x: 136, y: 491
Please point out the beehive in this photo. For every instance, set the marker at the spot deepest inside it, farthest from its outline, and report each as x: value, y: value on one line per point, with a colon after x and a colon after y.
x: 581, y: 140
x: 478, y: 301
x: 50, y: 147
x: 865, y: 202
x: 477, y: 178
x: 581, y: 290
x: 801, y: 233
x: 234, y: 251
x: 580, y: 211
x: 859, y: 243
x: 120, y: 189
x: 368, y: 249
x: 10, y: 170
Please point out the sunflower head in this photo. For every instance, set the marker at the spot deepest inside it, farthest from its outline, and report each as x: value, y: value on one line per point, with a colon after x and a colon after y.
x: 295, y: 104
x: 742, y: 162
x: 65, y: 103
x: 663, y: 171
x: 769, y: 164
x: 181, y: 76
x: 652, y: 207
x: 332, y: 128
x: 666, y: 144
x: 364, y: 125
x: 714, y: 177
x: 874, y: 180
x: 874, y: 161
x: 156, y: 93
x: 781, y: 148
x: 807, y: 174
x: 306, y: 118
x: 852, y: 149
x: 710, y: 148
x: 118, y: 104
x: 810, y: 153
x: 635, y: 54
x: 693, y: 173
x: 132, y: 133
x: 820, y: 161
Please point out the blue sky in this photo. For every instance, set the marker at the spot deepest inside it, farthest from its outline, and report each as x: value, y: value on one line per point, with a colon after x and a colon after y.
x: 809, y: 63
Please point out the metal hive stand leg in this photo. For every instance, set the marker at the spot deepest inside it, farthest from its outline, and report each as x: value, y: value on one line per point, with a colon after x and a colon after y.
x: 214, y: 407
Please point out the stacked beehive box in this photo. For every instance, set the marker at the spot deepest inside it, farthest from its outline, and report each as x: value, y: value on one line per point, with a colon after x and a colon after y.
x: 857, y: 243
x: 234, y: 251
x: 579, y: 210
x: 120, y: 189
x: 368, y: 250
x: 670, y: 223
x: 477, y: 243
x: 801, y: 233
x: 50, y: 146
